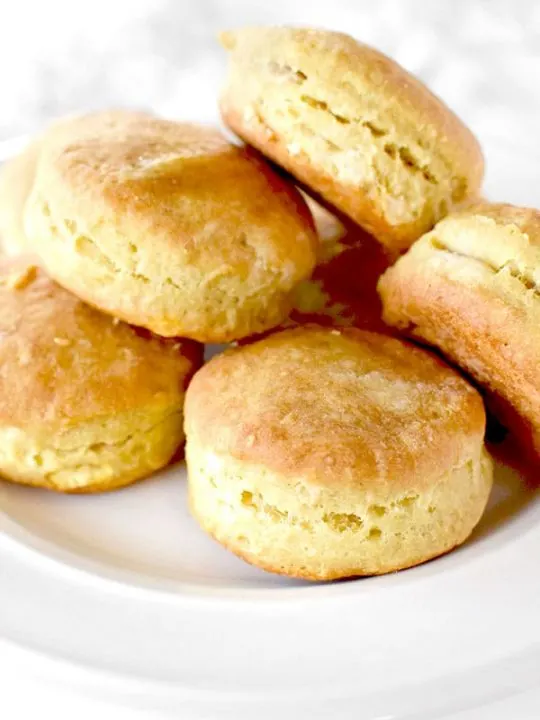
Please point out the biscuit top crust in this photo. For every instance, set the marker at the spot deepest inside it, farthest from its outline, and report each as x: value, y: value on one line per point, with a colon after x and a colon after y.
x: 360, y: 70
x: 337, y: 407
x: 153, y: 194
x: 419, y: 158
x: 503, y: 237
x: 482, y: 226
x: 62, y: 362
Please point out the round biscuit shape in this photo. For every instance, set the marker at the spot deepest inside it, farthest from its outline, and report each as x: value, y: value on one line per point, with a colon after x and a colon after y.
x: 169, y: 226
x: 471, y: 288
x: 87, y: 403
x: 353, y: 126
x: 345, y: 453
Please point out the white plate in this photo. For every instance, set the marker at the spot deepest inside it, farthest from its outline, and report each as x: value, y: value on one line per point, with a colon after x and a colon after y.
x: 122, y: 596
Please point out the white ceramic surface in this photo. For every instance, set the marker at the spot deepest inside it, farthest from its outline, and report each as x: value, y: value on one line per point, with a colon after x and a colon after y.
x: 122, y: 598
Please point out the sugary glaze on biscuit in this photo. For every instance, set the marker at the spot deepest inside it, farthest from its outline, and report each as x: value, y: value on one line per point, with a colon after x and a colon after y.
x: 169, y: 226
x: 471, y: 287
x: 352, y: 125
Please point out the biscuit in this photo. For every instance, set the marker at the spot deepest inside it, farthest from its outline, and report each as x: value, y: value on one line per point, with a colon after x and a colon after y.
x: 169, y: 226
x: 87, y: 403
x: 471, y: 288
x: 346, y: 453
x: 353, y: 126
x: 16, y: 178
x: 342, y: 290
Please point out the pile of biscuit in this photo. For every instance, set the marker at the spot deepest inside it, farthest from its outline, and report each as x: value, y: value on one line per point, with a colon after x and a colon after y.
x: 320, y: 445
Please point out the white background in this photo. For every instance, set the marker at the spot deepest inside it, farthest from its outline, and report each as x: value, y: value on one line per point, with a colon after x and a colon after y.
x: 481, y: 56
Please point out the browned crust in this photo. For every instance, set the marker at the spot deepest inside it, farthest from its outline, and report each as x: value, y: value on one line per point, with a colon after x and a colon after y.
x: 336, y: 60
x: 477, y: 334
x: 152, y: 170
x: 17, y: 178
x: 487, y: 325
x: 336, y: 406
x: 350, y: 199
x: 63, y: 362
x: 504, y: 215
x: 169, y: 226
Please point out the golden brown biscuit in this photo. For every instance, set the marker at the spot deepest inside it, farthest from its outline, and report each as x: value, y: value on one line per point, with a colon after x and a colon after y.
x: 471, y: 287
x: 87, y: 403
x: 169, y: 226
x: 342, y: 290
x: 346, y: 453
x: 16, y: 178
x: 353, y: 126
